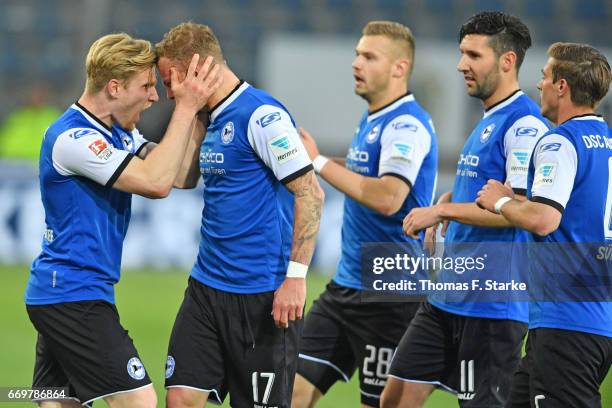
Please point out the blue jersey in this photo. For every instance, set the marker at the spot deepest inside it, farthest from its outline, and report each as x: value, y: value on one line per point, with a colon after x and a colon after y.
x: 397, y: 140
x: 572, y: 171
x: 250, y: 151
x: 86, y: 219
x: 498, y: 148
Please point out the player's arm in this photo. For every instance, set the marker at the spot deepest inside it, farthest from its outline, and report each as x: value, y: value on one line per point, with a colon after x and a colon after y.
x: 555, y: 165
x: 189, y: 173
x: 155, y: 175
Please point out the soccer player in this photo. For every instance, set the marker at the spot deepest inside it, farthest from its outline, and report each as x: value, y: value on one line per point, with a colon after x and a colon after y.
x: 390, y: 168
x: 238, y: 327
x: 92, y: 159
x: 468, y: 346
x: 569, y: 348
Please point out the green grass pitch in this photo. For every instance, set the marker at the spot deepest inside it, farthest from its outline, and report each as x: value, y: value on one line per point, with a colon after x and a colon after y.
x: 147, y: 303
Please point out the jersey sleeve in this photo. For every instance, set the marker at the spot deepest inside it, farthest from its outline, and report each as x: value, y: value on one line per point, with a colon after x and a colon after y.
x: 139, y: 141
x: 277, y: 143
x: 404, y: 144
x: 85, y: 152
x: 519, y: 142
x: 555, y: 164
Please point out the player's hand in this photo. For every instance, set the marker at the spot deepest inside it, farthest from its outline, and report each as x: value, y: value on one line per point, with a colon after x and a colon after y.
x: 445, y: 198
x: 289, y: 301
x: 491, y: 193
x: 199, y: 83
x: 309, y: 143
x: 419, y: 219
x: 430, y: 239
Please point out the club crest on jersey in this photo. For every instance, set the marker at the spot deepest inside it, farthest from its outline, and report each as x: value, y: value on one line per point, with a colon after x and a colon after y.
x: 100, y: 149
x: 545, y: 175
x: 283, y: 148
x: 82, y: 132
x: 135, y: 368
x: 127, y: 141
x: 486, y: 133
x: 170, y: 363
x: 227, y: 134
x: 373, y: 135
x: 269, y: 119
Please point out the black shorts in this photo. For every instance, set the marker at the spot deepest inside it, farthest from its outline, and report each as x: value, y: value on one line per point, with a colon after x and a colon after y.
x: 82, y: 346
x: 562, y: 368
x: 228, y: 343
x: 473, y: 358
x: 342, y: 334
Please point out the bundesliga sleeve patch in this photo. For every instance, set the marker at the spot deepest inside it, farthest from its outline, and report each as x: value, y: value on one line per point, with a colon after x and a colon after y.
x: 100, y: 149
x: 545, y: 175
x: 519, y: 161
x: 403, y: 151
x: 283, y: 148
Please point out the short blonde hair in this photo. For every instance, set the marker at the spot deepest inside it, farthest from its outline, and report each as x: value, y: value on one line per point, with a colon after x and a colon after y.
x: 116, y: 56
x: 181, y: 42
x: 396, y: 32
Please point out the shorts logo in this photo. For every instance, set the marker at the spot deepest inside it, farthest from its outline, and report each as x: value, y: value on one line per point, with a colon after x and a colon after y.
x: 170, y: 366
x: 550, y: 147
x: 373, y: 135
x: 545, y: 175
x: 519, y: 161
x: 486, y: 133
x: 82, y: 132
x: 135, y: 369
x: 405, y: 125
x: 402, y: 151
x: 269, y: 119
x: 283, y: 149
x: 100, y: 149
x: 526, y: 131
x: 227, y: 134
x: 127, y: 141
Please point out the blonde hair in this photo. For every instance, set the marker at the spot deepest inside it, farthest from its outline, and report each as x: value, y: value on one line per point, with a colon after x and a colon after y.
x: 181, y: 42
x: 585, y: 69
x: 116, y: 56
x: 397, y: 32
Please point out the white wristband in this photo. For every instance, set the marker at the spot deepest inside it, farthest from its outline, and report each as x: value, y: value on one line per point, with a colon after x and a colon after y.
x: 500, y: 203
x: 296, y: 270
x: 319, y: 162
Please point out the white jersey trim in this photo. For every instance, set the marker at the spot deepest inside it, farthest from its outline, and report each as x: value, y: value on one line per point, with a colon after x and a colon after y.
x: 228, y: 101
x: 503, y: 104
x: 394, y: 105
x: 91, y: 120
x: 589, y: 117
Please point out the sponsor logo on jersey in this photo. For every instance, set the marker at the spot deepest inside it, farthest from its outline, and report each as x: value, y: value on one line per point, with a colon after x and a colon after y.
x: 83, y: 132
x: 135, y: 369
x: 402, y: 151
x: 519, y: 161
x: 373, y: 135
x: 227, y: 134
x: 127, y: 141
x: 469, y: 160
x: 545, y: 175
x: 550, y: 147
x: 405, y: 125
x: 597, y: 141
x: 486, y: 133
x: 211, y: 157
x: 100, y: 149
x: 170, y: 363
x: 357, y: 155
x: 283, y: 149
x: 526, y: 131
x: 269, y: 119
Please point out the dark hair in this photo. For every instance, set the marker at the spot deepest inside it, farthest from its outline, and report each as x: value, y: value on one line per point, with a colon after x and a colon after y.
x: 585, y: 69
x: 507, y: 33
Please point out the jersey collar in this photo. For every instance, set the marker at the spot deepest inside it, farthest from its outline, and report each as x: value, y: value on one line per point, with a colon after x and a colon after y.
x: 503, y: 103
x: 587, y: 116
x: 225, y: 102
x: 91, y: 118
x: 409, y: 97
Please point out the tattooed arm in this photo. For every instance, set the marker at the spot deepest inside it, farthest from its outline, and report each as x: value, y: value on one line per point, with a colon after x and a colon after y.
x: 289, y: 298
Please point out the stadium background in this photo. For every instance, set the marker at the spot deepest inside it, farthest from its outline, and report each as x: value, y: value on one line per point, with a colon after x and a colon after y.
x: 300, y: 51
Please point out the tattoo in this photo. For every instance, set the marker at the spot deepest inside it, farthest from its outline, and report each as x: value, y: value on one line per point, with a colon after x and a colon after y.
x: 306, y: 216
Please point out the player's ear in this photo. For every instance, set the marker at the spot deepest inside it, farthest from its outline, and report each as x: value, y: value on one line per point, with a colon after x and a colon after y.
x: 113, y: 87
x: 562, y: 87
x: 401, y: 68
x: 507, y: 61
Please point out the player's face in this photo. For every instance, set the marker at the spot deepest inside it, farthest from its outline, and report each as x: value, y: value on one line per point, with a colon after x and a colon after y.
x: 479, y: 66
x: 164, y: 64
x: 372, y: 66
x: 138, y: 94
x: 548, y: 101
